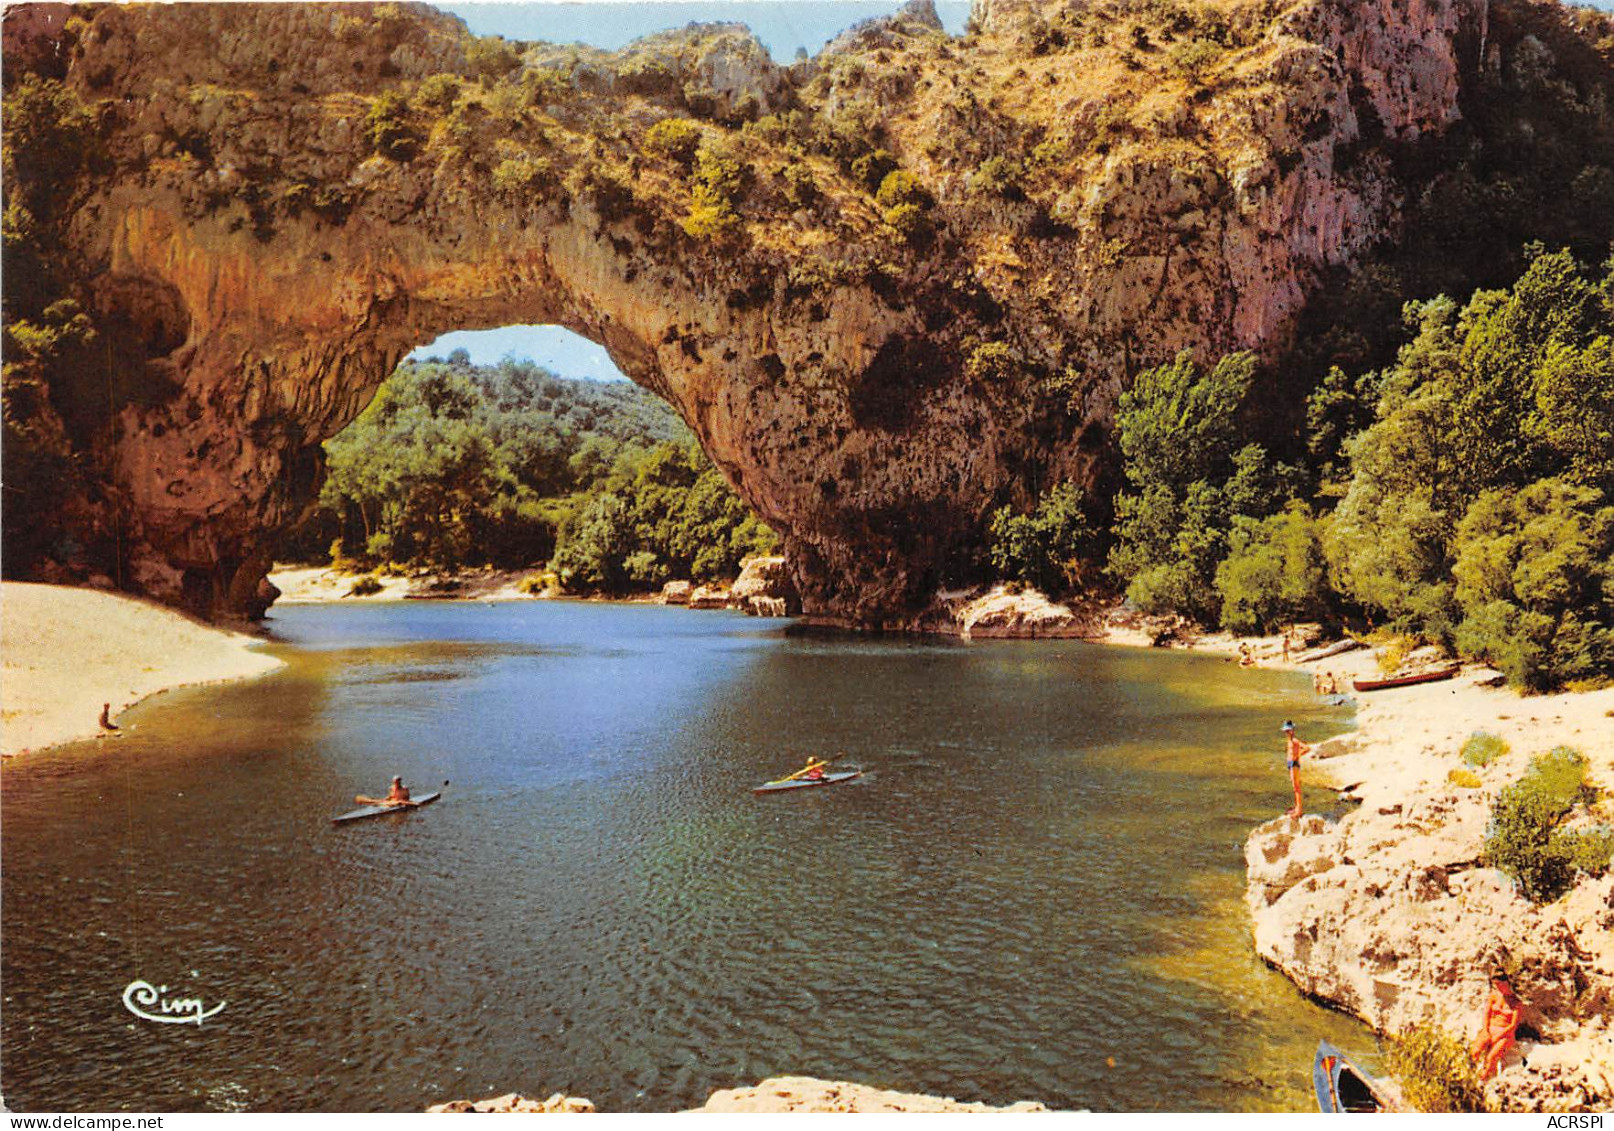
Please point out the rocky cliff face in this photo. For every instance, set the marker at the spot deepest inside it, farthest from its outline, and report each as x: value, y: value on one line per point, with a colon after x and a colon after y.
x: 282, y: 200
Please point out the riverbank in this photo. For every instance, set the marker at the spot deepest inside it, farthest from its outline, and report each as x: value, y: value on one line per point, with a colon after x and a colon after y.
x: 1389, y: 912
x: 67, y: 651
x: 762, y: 588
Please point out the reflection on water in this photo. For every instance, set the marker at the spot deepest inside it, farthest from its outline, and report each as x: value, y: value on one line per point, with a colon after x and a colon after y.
x: 1034, y: 893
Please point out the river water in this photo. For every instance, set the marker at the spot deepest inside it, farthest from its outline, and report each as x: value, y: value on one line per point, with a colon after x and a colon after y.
x: 1034, y: 891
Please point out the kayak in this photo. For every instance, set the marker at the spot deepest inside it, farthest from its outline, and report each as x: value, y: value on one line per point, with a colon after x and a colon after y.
x: 1342, y: 1087
x: 383, y: 810
x: 804, y: 783
x: 1403, y: 681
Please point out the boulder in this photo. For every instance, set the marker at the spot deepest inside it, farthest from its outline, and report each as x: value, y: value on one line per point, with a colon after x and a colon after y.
x: 515, y: 1102
x: 709, y: 597
x: 676, y: 593
x: 1026, y: 614
x: 765, y: 579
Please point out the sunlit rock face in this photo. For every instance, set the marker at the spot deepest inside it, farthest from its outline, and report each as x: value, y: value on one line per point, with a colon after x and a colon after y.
x: 261, y: 238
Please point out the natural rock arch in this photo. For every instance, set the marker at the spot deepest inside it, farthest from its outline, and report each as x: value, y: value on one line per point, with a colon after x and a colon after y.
x: 280, y: 207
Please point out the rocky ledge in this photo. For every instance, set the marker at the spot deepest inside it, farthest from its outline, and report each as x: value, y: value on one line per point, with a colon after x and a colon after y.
x: 775, y: 1094
x: 1390, y: 913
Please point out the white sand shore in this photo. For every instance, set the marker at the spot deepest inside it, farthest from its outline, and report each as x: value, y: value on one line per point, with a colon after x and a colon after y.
x: 66, y: 651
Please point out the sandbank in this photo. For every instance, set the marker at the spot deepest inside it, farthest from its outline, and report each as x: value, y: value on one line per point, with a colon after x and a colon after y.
x: 66, y: 651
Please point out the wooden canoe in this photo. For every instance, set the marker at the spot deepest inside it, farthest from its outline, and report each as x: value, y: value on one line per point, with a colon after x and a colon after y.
x: 1403, y: 681
x: 383, y: 810
x: 1342, y: 1087
x: 804, y: 783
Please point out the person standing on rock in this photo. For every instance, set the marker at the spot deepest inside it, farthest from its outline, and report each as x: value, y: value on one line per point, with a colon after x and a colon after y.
x: 1294, y: 748
x: 1497, y: 1030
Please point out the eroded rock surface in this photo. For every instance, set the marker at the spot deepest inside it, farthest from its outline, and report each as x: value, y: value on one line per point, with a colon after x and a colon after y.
x: 775, y: 1094
x: 286, y: 198
x: 1389, y: 913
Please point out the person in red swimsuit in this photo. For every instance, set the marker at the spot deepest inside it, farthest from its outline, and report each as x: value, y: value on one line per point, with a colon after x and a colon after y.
x: 1496, y: 1035
x: 1294, y: 748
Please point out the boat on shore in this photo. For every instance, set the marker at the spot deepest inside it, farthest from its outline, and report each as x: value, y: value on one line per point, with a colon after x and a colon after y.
x: 1343, y: 1088
x: 1404, y: 680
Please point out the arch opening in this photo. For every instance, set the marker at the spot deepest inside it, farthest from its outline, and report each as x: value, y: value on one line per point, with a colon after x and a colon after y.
x: 524, y: 453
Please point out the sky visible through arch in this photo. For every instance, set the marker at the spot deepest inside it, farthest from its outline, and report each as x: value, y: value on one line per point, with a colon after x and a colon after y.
x: 783, y: 26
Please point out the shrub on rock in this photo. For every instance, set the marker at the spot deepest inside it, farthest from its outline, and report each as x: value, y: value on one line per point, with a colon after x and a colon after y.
x: 1524, y: 839
x: 1435, y: 1071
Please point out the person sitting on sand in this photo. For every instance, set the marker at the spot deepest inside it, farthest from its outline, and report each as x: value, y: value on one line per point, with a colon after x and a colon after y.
x: 1330, y: 685
x: 106, y: 718
x: 1497, y: 1029
x: 1317, y: 683
x: 398, y: 794
x: 1294, y: 749
x: 1246, y: 658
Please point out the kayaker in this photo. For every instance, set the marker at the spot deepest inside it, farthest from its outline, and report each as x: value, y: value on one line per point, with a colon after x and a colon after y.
x: 398, y: 794
x: 815, y: 771
x: 1293, y: 749
x: 1497, y: 1029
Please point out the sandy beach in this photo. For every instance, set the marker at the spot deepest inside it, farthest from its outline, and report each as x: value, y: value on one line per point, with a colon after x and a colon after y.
x: 67, y: 651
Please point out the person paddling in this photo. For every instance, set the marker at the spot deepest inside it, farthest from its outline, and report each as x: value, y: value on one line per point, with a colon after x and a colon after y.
x: 1294, y: 748
x: 397, y: 795
x: 815, y: 770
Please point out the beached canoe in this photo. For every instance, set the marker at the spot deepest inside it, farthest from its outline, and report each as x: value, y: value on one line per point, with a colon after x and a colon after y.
x: 804, y: 783
x: 1342, y: 1087
x: 1403, y: 681
x: 383, y: 810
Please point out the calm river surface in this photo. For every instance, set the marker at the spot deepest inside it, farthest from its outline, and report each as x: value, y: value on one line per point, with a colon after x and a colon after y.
x: 1033, y: 893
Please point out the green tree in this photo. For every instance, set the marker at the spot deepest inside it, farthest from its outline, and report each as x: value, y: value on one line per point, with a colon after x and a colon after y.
x: 1513, y: 388
x: 1274, y: 571
x: 1050, y: 547
x: 1534, y: 577
x: 1190, y: 475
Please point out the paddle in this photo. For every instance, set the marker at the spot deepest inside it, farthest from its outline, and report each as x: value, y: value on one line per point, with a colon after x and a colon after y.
x: 816, y: 763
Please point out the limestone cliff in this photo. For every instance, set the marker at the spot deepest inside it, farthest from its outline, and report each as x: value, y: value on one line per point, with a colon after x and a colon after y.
x: 889, y: 288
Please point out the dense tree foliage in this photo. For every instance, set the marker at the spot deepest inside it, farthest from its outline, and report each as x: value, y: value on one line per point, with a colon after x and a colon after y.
x: 1463, y: 495
x: 455, y: 465
x: 656, y: 516
x: 1048, y: 548
x: 1191, y: 478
